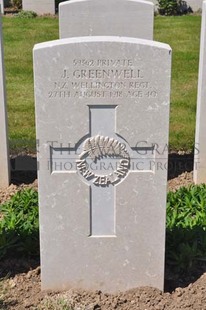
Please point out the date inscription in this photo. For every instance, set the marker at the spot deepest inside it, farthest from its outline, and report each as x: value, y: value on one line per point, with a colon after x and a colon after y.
x: 102, y: 78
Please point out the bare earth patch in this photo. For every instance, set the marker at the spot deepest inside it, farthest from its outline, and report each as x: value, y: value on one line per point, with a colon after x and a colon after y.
x: 184, y: 179
x: 23, y: 292
x: 7, y: 193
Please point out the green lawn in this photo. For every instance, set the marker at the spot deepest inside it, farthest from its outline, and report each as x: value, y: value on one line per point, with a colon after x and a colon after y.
x: 20, y: 35
x: 183, y: 35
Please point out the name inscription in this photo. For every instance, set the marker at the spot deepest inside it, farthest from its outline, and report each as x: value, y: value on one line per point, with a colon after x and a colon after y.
x: 102, y: 78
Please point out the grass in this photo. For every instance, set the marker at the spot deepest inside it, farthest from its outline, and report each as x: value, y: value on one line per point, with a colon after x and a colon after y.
x: 182, y: 33
x: 20, y: 35
x: 186, y: 226
x: 55, y: 303
x: 19, y: 225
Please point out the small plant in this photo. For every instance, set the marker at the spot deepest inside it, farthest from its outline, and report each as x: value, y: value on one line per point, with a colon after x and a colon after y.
x: 186, y: 228
x: 173, y: 7
x: 26, y: 14
x: 19, y: 225
x: 168, y: 7
x: 58, y: 302
x: 186, y: 208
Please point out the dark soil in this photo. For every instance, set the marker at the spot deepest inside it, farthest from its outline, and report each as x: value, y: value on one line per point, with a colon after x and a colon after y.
x: 20, y: 279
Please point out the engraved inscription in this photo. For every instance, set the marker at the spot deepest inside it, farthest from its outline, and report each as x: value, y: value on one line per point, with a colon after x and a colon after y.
x: 103, y: 62
x: 97, y: 148
x: 103, y: 73
x: 103, y: 78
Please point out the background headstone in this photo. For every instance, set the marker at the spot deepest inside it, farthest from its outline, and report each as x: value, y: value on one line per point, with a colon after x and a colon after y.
x: 106, y: 17
x: 2, y: 6
x: 39, y: 6
x: 200, y: 138
x: 101, y: 104
x: 4, y: 157
x: 195, y: 5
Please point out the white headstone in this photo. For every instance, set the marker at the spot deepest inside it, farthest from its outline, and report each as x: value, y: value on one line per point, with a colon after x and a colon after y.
x: 195, y: 4
x: 39, y: 6
x: 4, y: 156
x: 2, y: 6
x: 106, y: 17
x: 200, y: 138
x: 101, y: 104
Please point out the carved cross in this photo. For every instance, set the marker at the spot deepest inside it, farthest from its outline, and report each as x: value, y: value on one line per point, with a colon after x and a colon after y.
x: 102, y: 160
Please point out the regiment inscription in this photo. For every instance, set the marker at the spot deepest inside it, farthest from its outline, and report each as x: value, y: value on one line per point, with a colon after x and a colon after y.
x: 102, y: 78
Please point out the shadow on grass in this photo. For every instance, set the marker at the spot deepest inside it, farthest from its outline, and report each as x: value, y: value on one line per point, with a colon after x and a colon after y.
x: 23, y: 169
x: 178, y: 164
x: 185, y: 250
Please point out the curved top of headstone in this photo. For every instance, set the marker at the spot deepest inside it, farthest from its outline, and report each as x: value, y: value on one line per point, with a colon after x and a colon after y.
x: 128, y: 18
x: 96, y: 39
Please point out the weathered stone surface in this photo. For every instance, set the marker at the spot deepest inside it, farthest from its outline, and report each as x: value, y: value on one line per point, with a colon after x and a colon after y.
x: 39, y: 6
x: 106, y: 17
x: 101, y: 105
x: 200, y: 138
x: 4, y: 156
